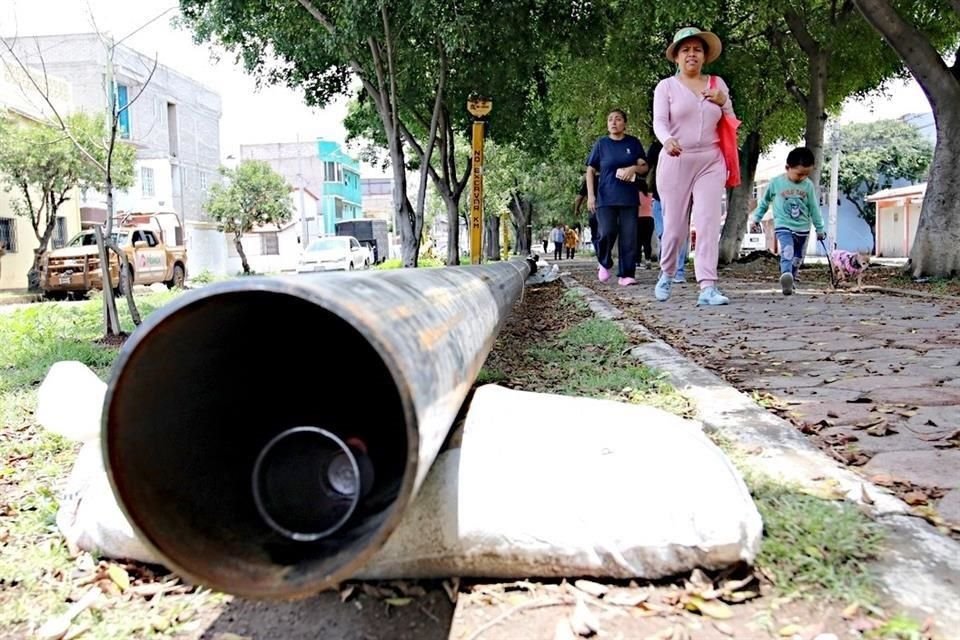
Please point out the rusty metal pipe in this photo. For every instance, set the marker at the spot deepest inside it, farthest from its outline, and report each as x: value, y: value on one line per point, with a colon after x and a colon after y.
x: 223, y: 388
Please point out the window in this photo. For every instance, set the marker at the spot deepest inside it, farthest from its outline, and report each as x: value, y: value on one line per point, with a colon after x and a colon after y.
x: 354, y: 244
x: 147, y: 185
x: 123, y: 111
x: 332, y: 172
x: 269, y: 244
x: 8, y: 234
x: 151, y: 239
x: 60, y: 233
x: 338, y: 209
x: 204, y: 180
x: 172, y: 129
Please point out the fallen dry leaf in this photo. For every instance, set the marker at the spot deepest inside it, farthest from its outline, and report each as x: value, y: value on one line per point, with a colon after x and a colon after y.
x: 583, y: 621
x: 850, y: 612
x: 398, y: 602
x: 723, y: 628
x: 452, y: 587
x: 346, y: 592
x: 790, y: 630
x: 595, y: 589
x: 627, y: 597
x: 711, y: 608
x: 880, y: 430
x: 57, y: 627
x: 914, y: 498
x: 119, y: 576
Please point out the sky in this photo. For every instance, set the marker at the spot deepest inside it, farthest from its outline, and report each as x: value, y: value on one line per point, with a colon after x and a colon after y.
x: 271, y: 114
x: 250, y: 115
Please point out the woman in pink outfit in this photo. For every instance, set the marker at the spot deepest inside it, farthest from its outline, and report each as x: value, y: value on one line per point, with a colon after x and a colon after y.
x: 686, y: 111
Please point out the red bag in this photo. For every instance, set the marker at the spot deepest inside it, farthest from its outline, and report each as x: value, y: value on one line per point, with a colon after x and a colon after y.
x: 727, y: 128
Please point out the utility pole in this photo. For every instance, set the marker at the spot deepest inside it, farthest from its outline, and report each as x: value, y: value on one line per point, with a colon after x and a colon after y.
x: 305, y: 228
x: 832, y: 211
x: 479, y: 108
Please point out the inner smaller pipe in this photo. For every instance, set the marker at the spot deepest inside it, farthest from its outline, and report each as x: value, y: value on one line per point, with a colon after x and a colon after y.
x: 306, y: 483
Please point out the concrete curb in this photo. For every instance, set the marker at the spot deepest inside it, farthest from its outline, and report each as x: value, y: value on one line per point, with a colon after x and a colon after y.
x: 920, y: 571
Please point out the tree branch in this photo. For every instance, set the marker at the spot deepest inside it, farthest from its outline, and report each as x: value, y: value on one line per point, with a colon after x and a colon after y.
x: 432, y: 135
x: 45, y: 94
x: 799, y: 30
x: 926, y: 65
x: 388, y: 42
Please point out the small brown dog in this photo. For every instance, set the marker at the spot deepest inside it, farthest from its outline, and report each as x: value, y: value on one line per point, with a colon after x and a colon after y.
x: 847, y: 265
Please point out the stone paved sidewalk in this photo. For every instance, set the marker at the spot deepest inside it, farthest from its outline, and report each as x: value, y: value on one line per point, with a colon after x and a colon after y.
x: 873, y: 378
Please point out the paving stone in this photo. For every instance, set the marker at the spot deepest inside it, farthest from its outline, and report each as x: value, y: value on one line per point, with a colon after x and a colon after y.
x: 936, y: 468
x: 919, y: 396
x: 884, y: 383
x: 949, y: 506
x: 901, y: 441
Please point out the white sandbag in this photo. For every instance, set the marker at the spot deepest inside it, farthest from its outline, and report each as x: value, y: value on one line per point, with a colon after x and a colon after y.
x: 552, y: 486
x: 70, y: 403
x: 90, y: 518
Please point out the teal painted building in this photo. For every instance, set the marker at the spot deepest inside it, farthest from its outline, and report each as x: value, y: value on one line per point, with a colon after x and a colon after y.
x: 341, y: 199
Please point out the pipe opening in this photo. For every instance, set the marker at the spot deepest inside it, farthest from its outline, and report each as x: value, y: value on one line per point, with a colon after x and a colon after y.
x: 256, y: 439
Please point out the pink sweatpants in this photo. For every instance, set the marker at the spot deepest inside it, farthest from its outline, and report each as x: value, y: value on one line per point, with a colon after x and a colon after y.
x: 699, y: 174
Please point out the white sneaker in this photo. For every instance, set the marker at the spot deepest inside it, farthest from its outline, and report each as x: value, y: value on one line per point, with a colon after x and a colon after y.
x: 712, y: 296
x: 786, y: 283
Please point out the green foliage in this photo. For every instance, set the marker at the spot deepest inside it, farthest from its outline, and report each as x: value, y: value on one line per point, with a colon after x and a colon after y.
x: 255, y: 195
x: 874, y: 155
x: 40, y: 164
x: 423, y: 262
x: 813, y: 546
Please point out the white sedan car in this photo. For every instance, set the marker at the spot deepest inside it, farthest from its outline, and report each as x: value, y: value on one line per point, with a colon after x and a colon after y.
x: 334, y: 253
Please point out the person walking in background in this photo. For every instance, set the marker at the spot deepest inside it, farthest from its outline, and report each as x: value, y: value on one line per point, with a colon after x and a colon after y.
x: 570, y: 241
x: 796, y: 207
x: 686, y: 112
x: 557, y: 237
x: 616, y: 161
x: 578, y: 203
x: 645, y: 228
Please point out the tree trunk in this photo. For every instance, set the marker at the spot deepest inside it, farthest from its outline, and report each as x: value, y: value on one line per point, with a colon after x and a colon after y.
x: 491, y: 237
x: 739, y: 201
x: 243, y: 256
x: 520, y: 213
x: 127, y: 290
x: 816, y: 113
x: 33, y: 275
x: 936, y: 249
x: 453, y: 230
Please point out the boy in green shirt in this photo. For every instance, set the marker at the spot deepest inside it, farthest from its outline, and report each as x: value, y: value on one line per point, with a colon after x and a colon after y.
x: 795, y: 208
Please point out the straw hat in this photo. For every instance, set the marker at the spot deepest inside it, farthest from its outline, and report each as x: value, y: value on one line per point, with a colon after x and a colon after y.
x: 713, y: 43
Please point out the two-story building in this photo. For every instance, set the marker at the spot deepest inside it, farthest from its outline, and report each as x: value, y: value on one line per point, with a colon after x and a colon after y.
x: 171, y: 119
x: 18, y: 240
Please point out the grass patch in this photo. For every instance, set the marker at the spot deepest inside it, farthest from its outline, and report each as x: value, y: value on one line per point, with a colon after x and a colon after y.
x: 590, y: 357
x: 396, y: 263
x: 35, y: 568
x: 813, y: 547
